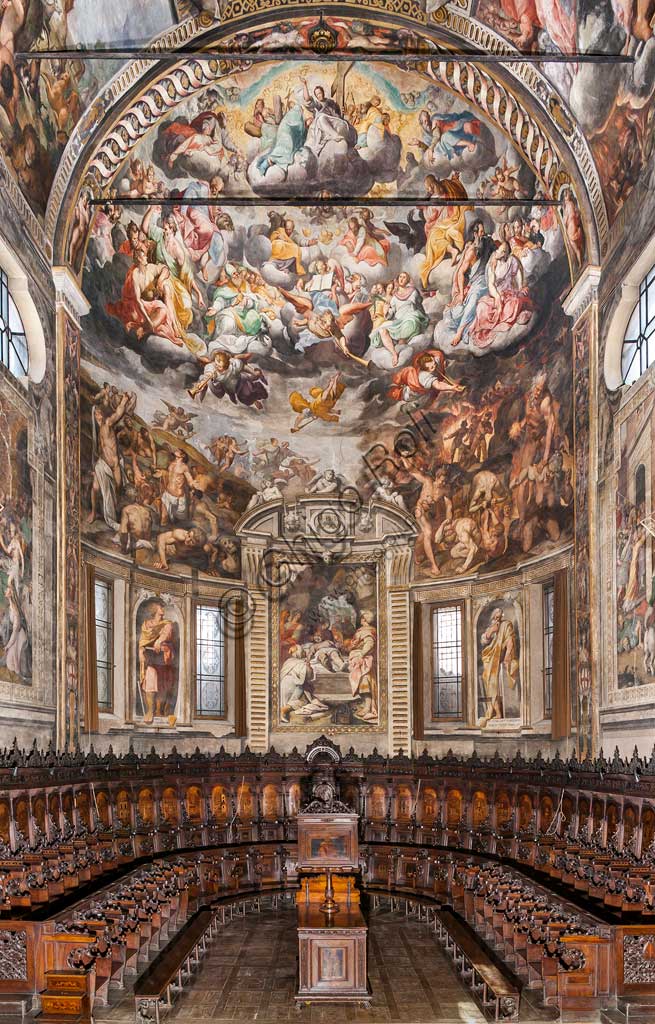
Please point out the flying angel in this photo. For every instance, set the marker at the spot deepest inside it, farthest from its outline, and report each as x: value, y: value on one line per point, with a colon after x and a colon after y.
x: 176, y: 421
x: 320, y: 405
x: 322, y: 324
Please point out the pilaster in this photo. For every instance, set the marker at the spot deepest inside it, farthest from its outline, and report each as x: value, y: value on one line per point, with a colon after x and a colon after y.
x: 581, y: 304
x: 71, y: 305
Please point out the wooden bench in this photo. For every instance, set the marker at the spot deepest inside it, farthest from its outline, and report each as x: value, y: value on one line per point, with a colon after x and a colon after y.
x: 173, y: 965
x: 489, y: 986
x: 424, y: 907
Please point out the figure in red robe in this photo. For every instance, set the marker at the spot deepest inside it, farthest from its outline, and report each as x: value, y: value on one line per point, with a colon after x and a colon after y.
x: 423, y: 381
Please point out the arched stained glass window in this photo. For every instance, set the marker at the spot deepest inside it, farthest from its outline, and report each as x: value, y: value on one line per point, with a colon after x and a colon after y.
x: 13, y: 343
x: 639, y: 342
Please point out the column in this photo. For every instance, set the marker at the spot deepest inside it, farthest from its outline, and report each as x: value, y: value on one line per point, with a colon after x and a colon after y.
x: 257, y: 625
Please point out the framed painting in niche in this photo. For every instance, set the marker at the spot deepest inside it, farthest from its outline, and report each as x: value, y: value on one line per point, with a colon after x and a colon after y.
x: 157, y: 646
x: 16, y: 544
x: 328, y: 667
x: 498, y: 660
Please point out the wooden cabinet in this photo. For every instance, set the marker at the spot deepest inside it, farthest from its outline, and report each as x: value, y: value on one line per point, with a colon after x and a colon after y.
x: 332, y: 955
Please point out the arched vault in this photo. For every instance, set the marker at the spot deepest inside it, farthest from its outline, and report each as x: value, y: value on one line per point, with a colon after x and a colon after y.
x: 516, y: 97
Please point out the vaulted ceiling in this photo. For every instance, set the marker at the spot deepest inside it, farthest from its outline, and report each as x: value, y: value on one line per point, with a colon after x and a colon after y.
x: 296, y: 298
x: 51, y: 108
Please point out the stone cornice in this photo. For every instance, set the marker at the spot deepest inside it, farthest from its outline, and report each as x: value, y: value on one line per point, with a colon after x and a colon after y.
x: 69, y: 294
x: 583, y: 293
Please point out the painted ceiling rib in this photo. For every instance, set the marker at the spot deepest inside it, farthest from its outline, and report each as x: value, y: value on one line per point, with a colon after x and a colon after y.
x: 305, y: 201
x: 353, y: 56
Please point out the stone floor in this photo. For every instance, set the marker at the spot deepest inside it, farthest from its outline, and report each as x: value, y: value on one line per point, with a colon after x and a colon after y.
x: 250, y: 975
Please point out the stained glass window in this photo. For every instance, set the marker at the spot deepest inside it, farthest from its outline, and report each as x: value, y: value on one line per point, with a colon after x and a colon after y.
x: 13, y: 343
x: 104, y: 616
x: 447, y: 661
x: 210, y: 662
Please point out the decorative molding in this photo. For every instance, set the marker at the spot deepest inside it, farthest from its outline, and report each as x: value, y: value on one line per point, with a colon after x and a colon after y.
x: 68, y: 587
x: 258, y: 666
x: 583, y: 293
x: 400, y: 673
x: 637, y: 970
x: 13, y: 955
x: 69, y: 295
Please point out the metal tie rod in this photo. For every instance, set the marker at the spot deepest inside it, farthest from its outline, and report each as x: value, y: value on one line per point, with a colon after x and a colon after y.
x: 172, y: 56
x: 270, y: 201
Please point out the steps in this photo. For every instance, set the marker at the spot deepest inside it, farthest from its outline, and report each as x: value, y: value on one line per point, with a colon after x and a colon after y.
x: 631, y: 1010
x: 66, y: 998
x: 14, y: 1006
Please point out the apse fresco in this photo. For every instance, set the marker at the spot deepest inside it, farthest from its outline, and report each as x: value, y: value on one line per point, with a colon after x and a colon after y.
x: 612, y: 103
x: 276, y: 346
x: 635, y: 528
x: 288, y: 129
x: 42, y: 101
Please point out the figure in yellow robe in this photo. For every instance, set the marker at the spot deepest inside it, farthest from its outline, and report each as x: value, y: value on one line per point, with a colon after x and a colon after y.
x: 444, y: 225
x: 320, y: 404
x: 500, y: 662
x: 285, y: 252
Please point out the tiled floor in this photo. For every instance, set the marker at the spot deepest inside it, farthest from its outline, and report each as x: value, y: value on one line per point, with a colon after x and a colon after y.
x: 250, y: 975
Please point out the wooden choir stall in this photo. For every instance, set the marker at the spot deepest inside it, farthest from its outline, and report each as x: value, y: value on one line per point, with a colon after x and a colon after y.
x: 332, y: 931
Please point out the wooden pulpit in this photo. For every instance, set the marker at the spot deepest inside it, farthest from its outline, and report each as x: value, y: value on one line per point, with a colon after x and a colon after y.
x: 332, y: 932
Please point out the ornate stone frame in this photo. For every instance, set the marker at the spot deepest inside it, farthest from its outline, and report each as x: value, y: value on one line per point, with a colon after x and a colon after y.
x: 377, y: 564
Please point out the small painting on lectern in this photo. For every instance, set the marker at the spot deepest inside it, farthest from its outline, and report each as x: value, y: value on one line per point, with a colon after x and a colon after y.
x: 328, y: 846
x: 328, y: 841
x: 333, y: 967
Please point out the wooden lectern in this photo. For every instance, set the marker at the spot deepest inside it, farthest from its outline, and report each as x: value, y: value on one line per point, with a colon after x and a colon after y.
x: 332, y: 932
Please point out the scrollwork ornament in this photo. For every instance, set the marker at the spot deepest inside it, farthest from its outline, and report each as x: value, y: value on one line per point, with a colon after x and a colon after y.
x: 572, y: 958
x: 13, y: 955
x: 638, y: 967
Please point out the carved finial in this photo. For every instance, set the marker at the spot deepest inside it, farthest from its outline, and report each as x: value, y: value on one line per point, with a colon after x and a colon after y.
x: 322, y: 38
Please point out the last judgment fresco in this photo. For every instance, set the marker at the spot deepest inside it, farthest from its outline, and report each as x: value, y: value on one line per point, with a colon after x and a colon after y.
x: 262, y: 352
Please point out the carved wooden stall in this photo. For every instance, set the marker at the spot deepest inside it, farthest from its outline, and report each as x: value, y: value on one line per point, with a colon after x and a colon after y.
x: 550, y: 863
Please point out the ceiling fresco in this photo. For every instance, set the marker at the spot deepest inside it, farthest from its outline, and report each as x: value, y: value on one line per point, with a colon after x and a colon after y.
x: 236, y: 355
x: 42, y: 101
x: 611, y: 102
